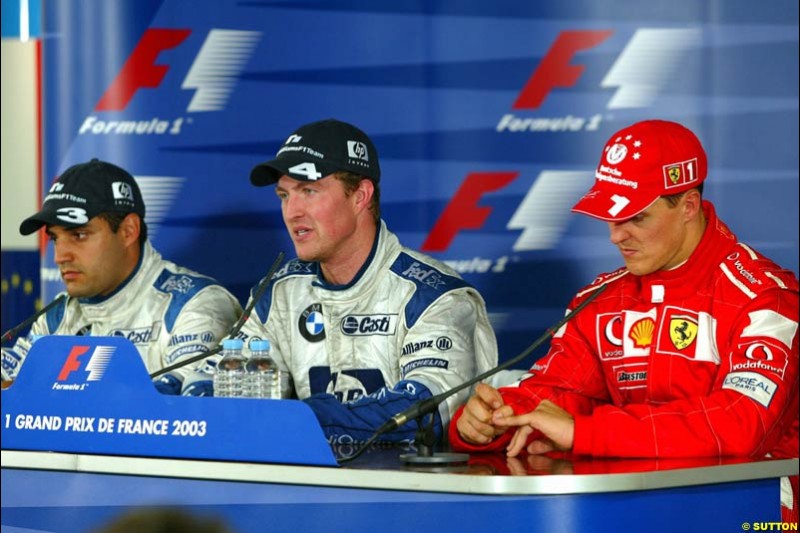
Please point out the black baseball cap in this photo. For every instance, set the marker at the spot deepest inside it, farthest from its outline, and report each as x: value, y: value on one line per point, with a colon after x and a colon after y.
x: 84, y: 191
x: 317, y: 150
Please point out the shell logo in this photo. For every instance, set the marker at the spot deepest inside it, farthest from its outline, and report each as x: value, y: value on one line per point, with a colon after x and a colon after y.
x: 641, y: 332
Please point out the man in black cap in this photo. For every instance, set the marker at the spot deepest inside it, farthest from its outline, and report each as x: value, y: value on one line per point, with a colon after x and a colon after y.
x: 365, y: 326
x: 118, y: 284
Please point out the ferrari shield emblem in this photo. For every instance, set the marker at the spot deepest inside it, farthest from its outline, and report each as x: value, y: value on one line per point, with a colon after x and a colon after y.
x: 674, y: 174
x: 682, y: 331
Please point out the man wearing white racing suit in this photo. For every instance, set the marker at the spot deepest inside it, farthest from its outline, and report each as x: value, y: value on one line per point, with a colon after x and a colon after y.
x: 119, y: 285
x: 365, y: 326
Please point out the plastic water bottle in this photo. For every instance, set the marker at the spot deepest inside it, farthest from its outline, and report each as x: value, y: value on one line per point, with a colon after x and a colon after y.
x: 263, y: 376
x: 229, y: 377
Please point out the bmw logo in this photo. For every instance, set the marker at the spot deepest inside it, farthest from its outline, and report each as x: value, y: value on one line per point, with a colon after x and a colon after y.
x: 311, y: 324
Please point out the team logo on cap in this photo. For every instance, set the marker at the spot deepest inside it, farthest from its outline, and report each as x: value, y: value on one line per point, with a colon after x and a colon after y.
x: 674, y: 174
x: 357, y: 150
x: 311, y: 323
x: 122, y: 191
x: 616, y: 153
x: 680, y: 173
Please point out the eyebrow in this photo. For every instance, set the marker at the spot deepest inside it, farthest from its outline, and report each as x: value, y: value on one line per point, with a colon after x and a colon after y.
x: 49, y: 231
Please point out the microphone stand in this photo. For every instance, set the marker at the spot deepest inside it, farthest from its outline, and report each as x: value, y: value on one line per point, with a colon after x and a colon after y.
x: 428, y: 406
x: 235, y: 328
x: 10, y: 334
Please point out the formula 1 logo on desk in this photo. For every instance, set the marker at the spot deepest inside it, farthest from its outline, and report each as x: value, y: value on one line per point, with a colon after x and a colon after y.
x: 81, y: 367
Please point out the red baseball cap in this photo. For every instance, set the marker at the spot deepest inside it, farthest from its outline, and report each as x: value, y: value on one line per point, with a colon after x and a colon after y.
x: 641, y: 163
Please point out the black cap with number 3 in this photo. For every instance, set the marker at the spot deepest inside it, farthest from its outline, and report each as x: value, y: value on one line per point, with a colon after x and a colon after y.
x: 84, y: 191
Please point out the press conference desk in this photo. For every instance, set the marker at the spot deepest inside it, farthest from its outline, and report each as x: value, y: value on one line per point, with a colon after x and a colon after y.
x: 83, y: 443
x: 44, y: 491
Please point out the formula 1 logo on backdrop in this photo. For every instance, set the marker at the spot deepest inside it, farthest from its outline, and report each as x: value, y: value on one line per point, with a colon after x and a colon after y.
x: 650, y: 59
x: 640, y: 73
x: 212, y: 76
x: 542, y: 215
x: 81, y: 367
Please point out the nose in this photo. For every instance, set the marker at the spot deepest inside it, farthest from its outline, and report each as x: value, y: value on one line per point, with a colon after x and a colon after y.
x: 292, y: 206
x: 62, y: 252
x: 617, y: 232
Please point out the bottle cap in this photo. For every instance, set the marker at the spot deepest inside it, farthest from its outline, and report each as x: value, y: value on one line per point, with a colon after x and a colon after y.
x: 259, y: 345
x: 232, y: 344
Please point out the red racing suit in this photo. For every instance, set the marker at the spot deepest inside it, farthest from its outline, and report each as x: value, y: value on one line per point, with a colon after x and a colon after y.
x: 701, y: 360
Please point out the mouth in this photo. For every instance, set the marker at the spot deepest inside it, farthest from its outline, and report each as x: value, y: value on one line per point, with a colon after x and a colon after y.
x: 300, y: 233
x: 70, y: 275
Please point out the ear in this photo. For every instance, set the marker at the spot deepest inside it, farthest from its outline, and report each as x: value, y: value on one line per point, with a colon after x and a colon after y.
x: 363, y: 194
x: 130, y: 228
x: 692, y: 204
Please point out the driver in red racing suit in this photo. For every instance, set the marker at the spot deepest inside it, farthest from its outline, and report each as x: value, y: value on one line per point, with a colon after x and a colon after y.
x: 692, y: 349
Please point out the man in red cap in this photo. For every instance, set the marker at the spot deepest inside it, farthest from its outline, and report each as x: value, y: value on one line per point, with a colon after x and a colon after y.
x: 691, y: 350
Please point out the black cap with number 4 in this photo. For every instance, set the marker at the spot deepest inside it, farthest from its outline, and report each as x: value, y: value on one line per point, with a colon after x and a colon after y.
x: 317, y: 150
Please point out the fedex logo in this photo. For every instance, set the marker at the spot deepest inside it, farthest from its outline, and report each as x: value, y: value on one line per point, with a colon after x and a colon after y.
x: 79, y: 359
x: 542, y: 215
x: 213, y: 73
x: 647, y: 63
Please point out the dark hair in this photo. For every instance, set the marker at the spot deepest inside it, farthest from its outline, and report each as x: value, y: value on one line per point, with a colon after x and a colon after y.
x: 351, y: 181
x: 163, y: 520
x: 673, y: 199
x: 115, y: 219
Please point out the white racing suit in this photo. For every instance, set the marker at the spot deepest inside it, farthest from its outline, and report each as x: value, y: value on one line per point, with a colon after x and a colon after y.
x: 168, y: 312
x: 406, y: 328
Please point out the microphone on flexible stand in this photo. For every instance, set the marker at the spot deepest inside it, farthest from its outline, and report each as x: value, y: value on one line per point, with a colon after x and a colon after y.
x: 236, y: 327
x: 13, y: 332
x: 427, y: 407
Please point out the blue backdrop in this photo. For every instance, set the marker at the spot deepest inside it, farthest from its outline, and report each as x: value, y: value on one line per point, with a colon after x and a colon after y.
x: 489, y: 119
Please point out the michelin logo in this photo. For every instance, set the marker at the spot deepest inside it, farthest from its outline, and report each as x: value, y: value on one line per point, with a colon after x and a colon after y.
x: 428, y: 362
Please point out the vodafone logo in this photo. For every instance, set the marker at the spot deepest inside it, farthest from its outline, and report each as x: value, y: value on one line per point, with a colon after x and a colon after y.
x: 212, y: 76
x: 616, y: 154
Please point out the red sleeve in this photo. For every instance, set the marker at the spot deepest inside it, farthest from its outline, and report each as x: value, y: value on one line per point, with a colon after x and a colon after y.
x: 569, y: 375
x: 752, y: 405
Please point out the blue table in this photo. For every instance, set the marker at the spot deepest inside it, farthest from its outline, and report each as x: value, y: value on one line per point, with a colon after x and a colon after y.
x: 263, y: 465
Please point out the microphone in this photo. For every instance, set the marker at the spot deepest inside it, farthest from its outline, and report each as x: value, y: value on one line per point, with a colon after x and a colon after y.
x: 236, y: 327
x: 429, y: 405
x: 12, y: 333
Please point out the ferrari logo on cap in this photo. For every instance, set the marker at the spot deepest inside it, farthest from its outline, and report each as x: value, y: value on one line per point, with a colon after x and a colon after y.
x: 674, y: 174
x: 682, y: 331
